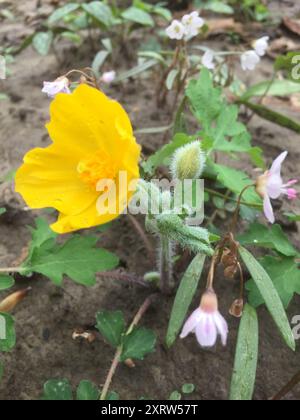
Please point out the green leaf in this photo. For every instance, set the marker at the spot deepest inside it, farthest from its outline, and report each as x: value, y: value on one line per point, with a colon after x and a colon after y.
x: 277, y: 88
x: 273, y: 116
x: 205, y: 99
x: 87, y: 391
x: 99, y: 60
x: 175, y: 396
x: 285, y: 275
x: 58, y: 390
x: 270, y: 295
x: 2, y: 210
x: 136, y: 15
x: 163, y: 156
x: 268, y: 237
x: 140, y: 68
x: 77, y: 258
x: 139, y: 343
x: 71, y: 36
x: 6, y: 282
x: 7, y: 332
x: 219, y: 7
x: 112, y: 326
x: 188, y: 388
x: 236, y: 181
x: 63, y: 11
x: 171, y: 78
x: 99, y: 11
x: 244, y: 372
x: 39, y: 235
x: 184, y: 297
x: 42, y: 42
x: 112, y: 396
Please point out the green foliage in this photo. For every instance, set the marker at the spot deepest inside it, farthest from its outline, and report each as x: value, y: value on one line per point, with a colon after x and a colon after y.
x: 6, y: 282
x: 2, y: 211
x: 112, y: 326
x: 270, y: 295
x: 61, y: 390
x: 268, y: 237
x: 244, y: 372
x: 77, y: 257
x: 184, y: 297
x: 136, y: 345
x: 7, y: 332
x: 285, y: 275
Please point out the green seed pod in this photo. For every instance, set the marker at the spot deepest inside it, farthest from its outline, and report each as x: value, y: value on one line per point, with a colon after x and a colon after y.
x: 188, y: 162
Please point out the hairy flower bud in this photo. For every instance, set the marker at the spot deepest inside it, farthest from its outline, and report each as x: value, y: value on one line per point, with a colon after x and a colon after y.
x: 188, y: 162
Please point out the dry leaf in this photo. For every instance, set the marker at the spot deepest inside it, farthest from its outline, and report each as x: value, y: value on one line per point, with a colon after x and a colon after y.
x: 292, y: 24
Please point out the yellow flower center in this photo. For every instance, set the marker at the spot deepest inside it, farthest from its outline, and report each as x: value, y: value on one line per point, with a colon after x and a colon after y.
x: 95, y: 167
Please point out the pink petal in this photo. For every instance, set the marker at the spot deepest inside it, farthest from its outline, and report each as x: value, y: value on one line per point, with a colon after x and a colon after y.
x: 276, y: 167
x: 191, y: 323
x: 274, y: 186
x: 268, y: 209
x: 222, y: 327
x: 292, y: 194
x: 206, y: 332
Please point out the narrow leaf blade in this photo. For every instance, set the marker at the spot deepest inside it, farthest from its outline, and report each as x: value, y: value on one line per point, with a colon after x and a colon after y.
x: 270, y: 295
x: 244, y: 373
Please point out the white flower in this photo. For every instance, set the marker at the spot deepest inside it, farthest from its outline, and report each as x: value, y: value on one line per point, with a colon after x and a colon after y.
x: 207, y: 322
x: 261, y: 46
x: 60, y: 85
x: 192, y: 24
x: 108, y: 77
x: 208, y: 60
x: 249, y: 60
x: 176, y: 30
x: 271, y: 186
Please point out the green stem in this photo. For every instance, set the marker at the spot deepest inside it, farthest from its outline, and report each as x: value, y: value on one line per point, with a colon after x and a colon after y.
x: 116, y: 360
x: 166, y: 264
x: 10, y: 270
x: 245, y: 203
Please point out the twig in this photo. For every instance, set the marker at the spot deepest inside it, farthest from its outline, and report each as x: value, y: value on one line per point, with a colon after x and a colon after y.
x: 116, y: 360
x: 287, y: 388
x: 143, y: 236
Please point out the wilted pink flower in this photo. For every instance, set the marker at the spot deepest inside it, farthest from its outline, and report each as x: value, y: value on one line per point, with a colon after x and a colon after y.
x: 60, y: 85
x: 271, y: 186
x: 207, y: 322
x: 108, y: 77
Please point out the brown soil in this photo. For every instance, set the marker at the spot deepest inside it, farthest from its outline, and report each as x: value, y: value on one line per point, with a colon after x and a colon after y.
x: 46, y: 319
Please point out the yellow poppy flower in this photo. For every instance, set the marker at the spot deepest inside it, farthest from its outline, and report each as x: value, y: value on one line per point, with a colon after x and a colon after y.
x: 92, y: 140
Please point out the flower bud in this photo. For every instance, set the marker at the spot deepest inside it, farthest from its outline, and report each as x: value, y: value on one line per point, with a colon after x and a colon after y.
x: 188, y: 162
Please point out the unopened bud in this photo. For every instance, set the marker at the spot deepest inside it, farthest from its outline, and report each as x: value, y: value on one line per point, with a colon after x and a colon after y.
x: 188, y: 162
x: 10, y: 302
x: 152, y: 277
x: 237, y: 308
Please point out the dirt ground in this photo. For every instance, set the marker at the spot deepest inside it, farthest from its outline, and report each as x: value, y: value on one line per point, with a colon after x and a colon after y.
x: 46, y: 319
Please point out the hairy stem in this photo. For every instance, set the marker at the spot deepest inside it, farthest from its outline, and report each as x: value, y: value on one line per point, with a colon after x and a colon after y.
x: 165, y: 264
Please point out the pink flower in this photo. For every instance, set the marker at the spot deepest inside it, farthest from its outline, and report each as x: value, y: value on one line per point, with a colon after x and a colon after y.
x: 271, y: 186
x: 60, y: 85
x: 108, y: 77
x: 206, y: 322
